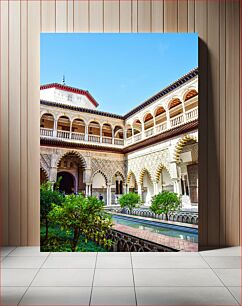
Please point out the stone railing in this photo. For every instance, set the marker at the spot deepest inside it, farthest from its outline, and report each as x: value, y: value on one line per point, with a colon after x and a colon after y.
x: 177, y: 120
x: 180, y: 216
x: 154, y: 130
x: 46, y: 132
x: 77, y: 136
x: 123, y: 242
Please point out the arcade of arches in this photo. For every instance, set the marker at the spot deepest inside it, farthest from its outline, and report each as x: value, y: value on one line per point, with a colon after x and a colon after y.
x: 175, y: 168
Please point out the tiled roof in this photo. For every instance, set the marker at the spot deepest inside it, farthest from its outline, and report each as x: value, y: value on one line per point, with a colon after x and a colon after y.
x: 70, y: 89
x: 80, y: 109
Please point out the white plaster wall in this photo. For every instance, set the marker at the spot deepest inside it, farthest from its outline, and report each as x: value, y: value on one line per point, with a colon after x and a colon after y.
x: 65, y: 97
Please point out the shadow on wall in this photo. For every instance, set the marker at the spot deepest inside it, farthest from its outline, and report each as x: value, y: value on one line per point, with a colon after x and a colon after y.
x: 209, y: 201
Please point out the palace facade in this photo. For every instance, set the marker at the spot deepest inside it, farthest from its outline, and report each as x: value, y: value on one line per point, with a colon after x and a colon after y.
x: 153, y: 147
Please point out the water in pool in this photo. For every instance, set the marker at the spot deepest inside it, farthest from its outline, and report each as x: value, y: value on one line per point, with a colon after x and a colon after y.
x: 192, y: 237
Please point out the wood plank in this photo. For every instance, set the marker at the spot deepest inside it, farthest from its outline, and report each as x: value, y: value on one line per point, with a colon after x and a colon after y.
x: 201, y: 28
x: 70, y: 15
x: 81, y: 16
x: 144, y: 16
x: 24, y: 124
x: 33, y: 122
x: 213, y: 124
x: 48, y: 16
x: 157, y: 16
x: 170, y: 15
x: 96, y: 16
x: 134, y: 14
x: 183, y: 15
x: 14, y: 121
x: 222, y: 140
x: 232, y: 122
x: 111, y: 16
x: 61, y: 16
x: 4, y: 114
x: 125, y: 15
x: 191, y: 16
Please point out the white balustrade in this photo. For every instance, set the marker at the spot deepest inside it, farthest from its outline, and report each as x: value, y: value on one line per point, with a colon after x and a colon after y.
x: 192, y: 114
x: 94, y: 138
x: 129, y: 140
x: 118, y: 141
x: 46, y: 132
x: 77, y: 136
x: 137, y: 137
x: 149, y: 132
x: 177, y: 120
x: 63, y: 134
x: 161, y: 127
x: 106, y: 139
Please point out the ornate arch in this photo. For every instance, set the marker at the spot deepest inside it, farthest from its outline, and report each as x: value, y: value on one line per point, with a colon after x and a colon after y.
x: 129, y: 177
x: 103, y: 174
x: 142, y: 173
x: 159, y: 170
x: 45, y: 163
x: 181, y: 143
x: 120, y: 174
x: 78, y: 154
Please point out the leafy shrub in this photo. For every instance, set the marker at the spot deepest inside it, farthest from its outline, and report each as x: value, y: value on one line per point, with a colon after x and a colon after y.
x: 47, y: 198
x: 82, y: 217
x: 165, y: 202
x: 60, y: 241
x: 130, y: 200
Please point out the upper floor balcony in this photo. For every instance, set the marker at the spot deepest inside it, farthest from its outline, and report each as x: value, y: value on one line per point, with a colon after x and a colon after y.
x: 160, y: 120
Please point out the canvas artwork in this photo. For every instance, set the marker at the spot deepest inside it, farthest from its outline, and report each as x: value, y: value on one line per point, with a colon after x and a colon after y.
x: 119, y: 142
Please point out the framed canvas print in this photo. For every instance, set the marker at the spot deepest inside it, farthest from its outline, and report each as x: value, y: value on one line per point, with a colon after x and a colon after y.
x: 119, y: 142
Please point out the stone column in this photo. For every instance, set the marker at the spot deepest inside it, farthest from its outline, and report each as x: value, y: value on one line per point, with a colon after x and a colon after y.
x: 155, y: 186
x: 55, y: 128
x: 127, y: 188
x: 168, y: 122
x: 184, y: 113
x: 176, y: 187
x: 142, y: 130
x: 109, y: 196
x: 53, y: 175
x: 70, y: 130
x: 87, y: 191
x: 112, y: 136
x: 86, y: 133
x: 90, y: 189
x: 140, y: 191
x: 101, y: 133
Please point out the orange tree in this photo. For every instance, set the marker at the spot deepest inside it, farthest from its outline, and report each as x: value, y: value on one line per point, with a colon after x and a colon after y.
x: 48, y: 196
x: 82, y: 217
x: 130, y: 200
x: 165, y: 202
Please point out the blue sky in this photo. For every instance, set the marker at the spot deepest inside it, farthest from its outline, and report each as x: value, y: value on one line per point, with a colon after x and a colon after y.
x: 119, y: 70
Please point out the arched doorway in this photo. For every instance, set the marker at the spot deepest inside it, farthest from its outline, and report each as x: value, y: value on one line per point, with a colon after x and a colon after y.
x: 73, y: 164
x: 99, y: 186
x: 66, y: 183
